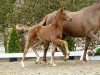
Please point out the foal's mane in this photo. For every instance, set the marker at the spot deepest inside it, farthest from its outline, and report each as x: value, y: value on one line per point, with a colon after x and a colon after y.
x: 56, y: 18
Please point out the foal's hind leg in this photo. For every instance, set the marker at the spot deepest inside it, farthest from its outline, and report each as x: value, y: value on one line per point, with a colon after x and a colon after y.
x: 29, y: 44
x: 37, y: 56
x: 24, y: 54
x: 34, y: 49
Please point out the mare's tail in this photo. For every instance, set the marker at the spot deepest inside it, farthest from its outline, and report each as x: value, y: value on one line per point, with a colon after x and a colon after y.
x: 43, y: 22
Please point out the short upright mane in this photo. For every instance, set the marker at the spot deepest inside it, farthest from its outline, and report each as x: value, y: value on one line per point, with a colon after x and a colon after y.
x: 57, y: 18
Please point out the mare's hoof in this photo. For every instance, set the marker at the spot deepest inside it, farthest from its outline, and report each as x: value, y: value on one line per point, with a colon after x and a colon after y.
x: 44, y: 62
x: 85, y: 60
x: 65, y: 60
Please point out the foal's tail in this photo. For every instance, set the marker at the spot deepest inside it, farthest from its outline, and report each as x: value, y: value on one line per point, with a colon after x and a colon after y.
x: 43, y: 22
x: 22, y: 26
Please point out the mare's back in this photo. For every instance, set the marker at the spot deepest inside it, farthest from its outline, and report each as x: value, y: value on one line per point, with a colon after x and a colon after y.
x: 50, y: 18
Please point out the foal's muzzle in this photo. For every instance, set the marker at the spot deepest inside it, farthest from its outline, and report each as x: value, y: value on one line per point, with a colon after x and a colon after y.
x: 70, y: 19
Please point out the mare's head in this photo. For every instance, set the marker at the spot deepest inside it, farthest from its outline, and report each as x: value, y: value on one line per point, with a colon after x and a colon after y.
x: 63, y: 15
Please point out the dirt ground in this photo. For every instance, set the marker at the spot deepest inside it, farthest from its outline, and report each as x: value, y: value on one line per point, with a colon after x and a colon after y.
x: 70, y: 67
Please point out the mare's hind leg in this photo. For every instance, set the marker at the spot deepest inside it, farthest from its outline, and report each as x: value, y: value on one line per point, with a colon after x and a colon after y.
x: 91, y: 35
x: 52, y: 55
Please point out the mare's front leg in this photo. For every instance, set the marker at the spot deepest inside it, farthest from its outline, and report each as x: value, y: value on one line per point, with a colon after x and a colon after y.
x: 86, y: 47
x: 52, y: 55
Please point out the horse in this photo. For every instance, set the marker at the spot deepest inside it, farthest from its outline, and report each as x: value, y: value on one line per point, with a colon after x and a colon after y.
x: 85, y: 23
x: 48, y: 34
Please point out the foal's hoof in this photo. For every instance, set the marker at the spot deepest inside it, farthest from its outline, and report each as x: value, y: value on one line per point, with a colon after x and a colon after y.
x: 22, y: 64
x: 37, y: 60
x: 54, y: 65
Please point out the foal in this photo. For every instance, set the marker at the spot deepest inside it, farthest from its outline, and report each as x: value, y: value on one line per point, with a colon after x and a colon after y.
x: 46, y: 34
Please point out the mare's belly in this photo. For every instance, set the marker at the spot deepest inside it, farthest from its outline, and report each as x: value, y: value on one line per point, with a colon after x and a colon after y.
x: 75, y: 31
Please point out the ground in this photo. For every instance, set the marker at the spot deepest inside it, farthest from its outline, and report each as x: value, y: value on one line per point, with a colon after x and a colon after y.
x: 70, y: 67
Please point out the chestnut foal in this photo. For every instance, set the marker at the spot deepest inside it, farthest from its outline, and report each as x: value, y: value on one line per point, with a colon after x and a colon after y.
x: 48, y: 34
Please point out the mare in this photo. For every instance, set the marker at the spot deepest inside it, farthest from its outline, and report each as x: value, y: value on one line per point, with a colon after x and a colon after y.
x: 85, y: 23
x: 48, y: 34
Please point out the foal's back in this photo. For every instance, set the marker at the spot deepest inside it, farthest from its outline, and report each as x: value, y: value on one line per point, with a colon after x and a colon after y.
x: 45, y: 33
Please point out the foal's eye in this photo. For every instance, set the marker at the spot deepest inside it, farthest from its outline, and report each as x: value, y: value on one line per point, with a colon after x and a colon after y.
x: 63, y: 13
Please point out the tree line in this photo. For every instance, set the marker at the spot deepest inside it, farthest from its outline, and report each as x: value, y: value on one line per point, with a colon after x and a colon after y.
x: 30, y: 12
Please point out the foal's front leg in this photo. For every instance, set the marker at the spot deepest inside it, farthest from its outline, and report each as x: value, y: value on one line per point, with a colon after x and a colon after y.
x: 60, y: 43
x: 52, y: 55
x: 66, y: 46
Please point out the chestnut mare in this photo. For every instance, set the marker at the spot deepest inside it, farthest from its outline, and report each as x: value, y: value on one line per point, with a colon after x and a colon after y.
x: 48, y: 34
x: 85, y: 23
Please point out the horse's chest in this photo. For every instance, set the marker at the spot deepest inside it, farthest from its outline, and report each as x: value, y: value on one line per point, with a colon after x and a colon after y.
x: 56, y: 33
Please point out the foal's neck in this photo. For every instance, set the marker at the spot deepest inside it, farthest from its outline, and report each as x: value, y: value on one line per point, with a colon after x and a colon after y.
x: 58, y: 24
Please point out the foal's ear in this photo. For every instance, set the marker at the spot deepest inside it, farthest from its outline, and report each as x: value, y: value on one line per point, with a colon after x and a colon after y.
x: 61, y: 9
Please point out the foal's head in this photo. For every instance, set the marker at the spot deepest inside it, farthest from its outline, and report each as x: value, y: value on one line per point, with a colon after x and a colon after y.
x: 63, y: 15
